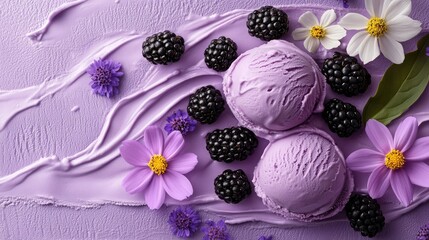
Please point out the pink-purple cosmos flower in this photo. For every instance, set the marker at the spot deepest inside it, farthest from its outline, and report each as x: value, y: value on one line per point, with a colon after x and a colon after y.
x: 397, y: 161
x: 105, y: 76
x: 159, y: 165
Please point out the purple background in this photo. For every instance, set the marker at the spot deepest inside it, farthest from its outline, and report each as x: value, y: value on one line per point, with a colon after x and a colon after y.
x: 55, y: 129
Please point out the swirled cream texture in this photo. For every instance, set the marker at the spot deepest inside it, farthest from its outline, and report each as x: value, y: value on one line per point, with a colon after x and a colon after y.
x: 274, y: 87
x: 303, y: 176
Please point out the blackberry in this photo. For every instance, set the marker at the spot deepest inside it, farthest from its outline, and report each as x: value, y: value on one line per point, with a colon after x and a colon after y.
x: 342, y: 118
x: 345, y: 75
x: 230, y: 144
x: 232, y: 186
x: 206, y: 104
x: 220, y: 54
x: 267, y: 23
x: 365, y: 215
x: 163, y: 48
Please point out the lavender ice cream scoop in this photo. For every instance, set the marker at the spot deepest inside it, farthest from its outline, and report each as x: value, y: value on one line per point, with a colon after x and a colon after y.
x: 274, y: 87
x: 303, y: 176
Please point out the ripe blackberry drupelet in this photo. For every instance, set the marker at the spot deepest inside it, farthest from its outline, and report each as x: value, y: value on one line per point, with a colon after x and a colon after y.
x: 267, y: 23
x: 163, y: 48
x: 231, y: 144
x: 345, y: 75
x: 342, y: 118
x: 206, y: 104
x: 365, y: 215
x: 232, y: 186
x: 220, y: 54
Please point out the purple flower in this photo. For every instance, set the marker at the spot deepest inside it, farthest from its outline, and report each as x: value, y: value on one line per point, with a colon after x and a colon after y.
x: 345, y: 3
x: 265, y: 238
x: 180, y: 121
x: 427, y: 51
x: 398, y: 160
x: 159, y: 165
x: 105, y: 76
x: 215, y: 231
x: 423, y: 233
x: 184, y: 221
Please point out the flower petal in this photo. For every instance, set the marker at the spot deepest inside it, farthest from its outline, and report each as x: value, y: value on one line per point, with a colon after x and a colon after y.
x: 379, y: 135
x: 154, y: 195
x: 335, y: 32
x: 354, y: 21
x: 401, y: 186
x: 369, y: 50
x: 183, y: 163
x: 418, y: 173
x: 406, y: 134
x: 311, y: 44
x: 308, y: 20
x: 365, y: 160
x: 328, y: 43
x: 355, y: 43
x: 177, y: 186
x: 173, y: 145
x: 135, y: 153
x: 392, y: 49
x: 419, y: 150
x: 378, y: 182
x: 137, y: 180
x: 300, y: 33
x: 327, y: 18
x: 403, y: 28
x: 396, y: 8
x: 374, y: 7
x: 154, y: 139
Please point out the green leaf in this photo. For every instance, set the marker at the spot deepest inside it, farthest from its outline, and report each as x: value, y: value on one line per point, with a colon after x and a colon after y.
x: 400, y: 87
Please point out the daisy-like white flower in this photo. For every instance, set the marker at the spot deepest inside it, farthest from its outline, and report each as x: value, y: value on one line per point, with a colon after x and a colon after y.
x: 159, y: 167
x: 388, y: 26
x: 398, y: 161
x: 317, y: 32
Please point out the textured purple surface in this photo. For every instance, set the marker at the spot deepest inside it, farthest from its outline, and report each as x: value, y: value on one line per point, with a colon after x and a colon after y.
x: 62, y: 131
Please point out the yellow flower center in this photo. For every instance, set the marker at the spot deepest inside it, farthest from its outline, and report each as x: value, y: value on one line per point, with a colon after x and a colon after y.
x: 377, y: 27
x: 158, y: 164
x: 318, y: 32
x: 394, y: 159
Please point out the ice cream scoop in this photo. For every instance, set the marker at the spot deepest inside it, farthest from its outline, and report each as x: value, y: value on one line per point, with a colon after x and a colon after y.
x: 303, y: 176
x: 274, y: 87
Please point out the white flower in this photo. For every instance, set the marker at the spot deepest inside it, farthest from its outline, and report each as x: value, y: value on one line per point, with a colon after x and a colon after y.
x: 315, y: 32
x: 388, y: 26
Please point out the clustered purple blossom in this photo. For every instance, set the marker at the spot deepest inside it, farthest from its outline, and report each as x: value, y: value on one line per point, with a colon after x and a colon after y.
x: 423, y: 233
x: 345, y: 3
x: 184, y: 221
x: 105, y: 76
x: 180, y: 121
x: 215, y: 231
